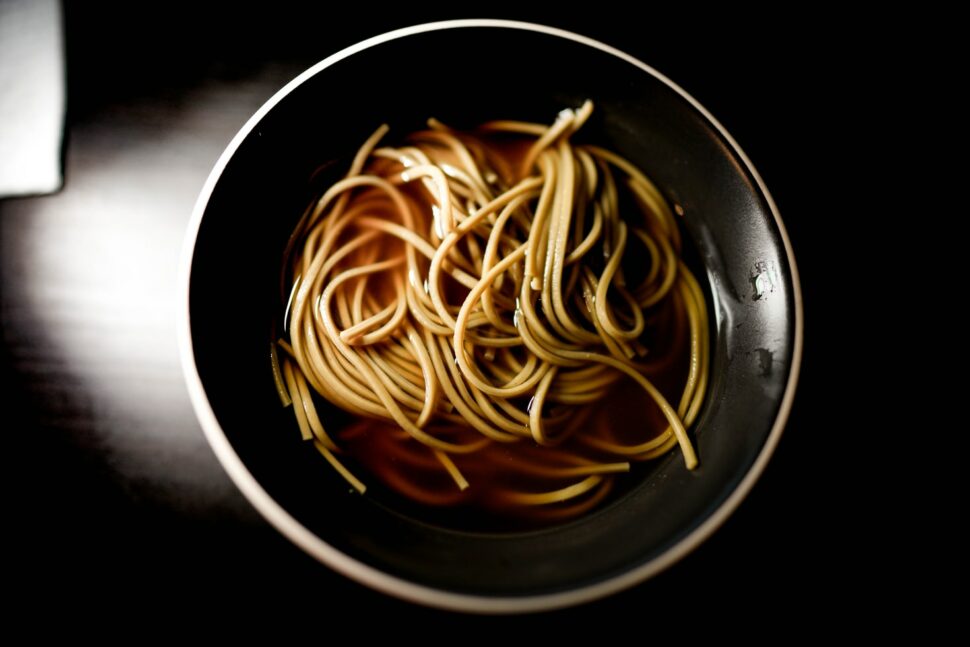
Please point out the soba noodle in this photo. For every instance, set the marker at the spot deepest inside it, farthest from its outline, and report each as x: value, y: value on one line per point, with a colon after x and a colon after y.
x: 474, y: 297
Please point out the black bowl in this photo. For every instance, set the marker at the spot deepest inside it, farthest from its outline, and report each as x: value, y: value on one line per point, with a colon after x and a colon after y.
x: 475, y: 71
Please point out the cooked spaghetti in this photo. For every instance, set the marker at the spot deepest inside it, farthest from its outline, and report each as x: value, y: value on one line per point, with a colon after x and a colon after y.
x: 474, y: 298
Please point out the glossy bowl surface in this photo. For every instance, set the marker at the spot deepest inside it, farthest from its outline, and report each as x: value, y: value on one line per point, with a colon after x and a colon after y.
x: 486, y: 69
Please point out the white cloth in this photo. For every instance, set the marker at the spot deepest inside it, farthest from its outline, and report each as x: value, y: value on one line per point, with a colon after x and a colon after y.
x: 31, y: 96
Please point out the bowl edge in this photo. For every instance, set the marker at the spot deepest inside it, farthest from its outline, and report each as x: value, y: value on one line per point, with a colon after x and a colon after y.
x: 375, y: 578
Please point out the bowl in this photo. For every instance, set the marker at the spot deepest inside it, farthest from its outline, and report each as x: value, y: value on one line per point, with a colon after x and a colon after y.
x: 260, y: 186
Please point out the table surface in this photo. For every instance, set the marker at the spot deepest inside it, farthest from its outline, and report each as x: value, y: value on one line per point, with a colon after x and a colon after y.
x: 115, y: 482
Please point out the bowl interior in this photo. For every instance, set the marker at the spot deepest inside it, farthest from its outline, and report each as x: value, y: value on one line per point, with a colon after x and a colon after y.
x: 463, y: 76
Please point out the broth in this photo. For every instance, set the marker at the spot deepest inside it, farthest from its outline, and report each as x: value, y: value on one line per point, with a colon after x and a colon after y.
x: 627, y: 414
x: 505, y: 318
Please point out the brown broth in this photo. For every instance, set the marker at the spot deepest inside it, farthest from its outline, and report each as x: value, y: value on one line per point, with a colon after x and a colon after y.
x: 404, y: 475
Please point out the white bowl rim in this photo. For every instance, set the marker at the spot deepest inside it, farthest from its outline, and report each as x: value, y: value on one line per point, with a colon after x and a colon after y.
x: 368, y: 575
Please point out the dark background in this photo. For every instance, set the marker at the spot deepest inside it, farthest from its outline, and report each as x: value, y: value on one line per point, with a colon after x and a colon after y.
x: 111, y: 482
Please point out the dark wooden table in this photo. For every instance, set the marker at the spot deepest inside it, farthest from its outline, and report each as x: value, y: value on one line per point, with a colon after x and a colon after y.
x: 111, y: 480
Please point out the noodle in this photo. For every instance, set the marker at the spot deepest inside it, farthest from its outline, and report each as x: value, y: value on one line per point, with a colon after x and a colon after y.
x: 474, y: 297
